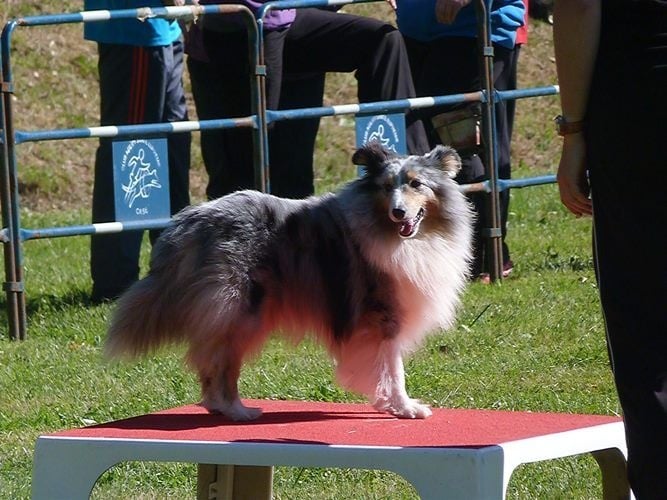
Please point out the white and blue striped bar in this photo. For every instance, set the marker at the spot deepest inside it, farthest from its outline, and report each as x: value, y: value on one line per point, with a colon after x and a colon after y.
x: 177, y: 12
x: 504, y: 184
x: 97, y: 228
x: 125, y: 131
x: 405, y: 104
x: 379, y: 107
x: 506, y: 95
x: 295, y: 4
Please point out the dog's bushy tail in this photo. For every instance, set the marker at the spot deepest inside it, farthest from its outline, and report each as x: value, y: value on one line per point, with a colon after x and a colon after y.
x: 142, y: 321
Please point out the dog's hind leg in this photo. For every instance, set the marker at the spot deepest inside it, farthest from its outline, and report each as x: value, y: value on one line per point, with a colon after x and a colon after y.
x: 218, y: 374
x: 220, y: 393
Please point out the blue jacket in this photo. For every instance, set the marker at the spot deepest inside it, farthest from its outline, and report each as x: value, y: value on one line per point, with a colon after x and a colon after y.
x: 149, y: 33
x: 416, y: 19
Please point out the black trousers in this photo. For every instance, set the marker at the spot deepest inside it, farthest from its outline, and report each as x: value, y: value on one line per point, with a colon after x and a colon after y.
x: 450, y: 65
x: 319, y: 41
x: 292, y: 143
x: 628, y: 173
x: 137, y: 85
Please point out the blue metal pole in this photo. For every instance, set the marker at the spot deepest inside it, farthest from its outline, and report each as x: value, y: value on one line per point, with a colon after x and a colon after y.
x: 503, y: 184
x: 97, y: 228
x: 127, y: 131
x: 12, y: 234
x: 13, y: 285
x: 10, y: 240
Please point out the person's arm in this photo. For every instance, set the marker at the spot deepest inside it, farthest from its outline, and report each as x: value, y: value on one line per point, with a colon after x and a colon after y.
x: 576, y: 38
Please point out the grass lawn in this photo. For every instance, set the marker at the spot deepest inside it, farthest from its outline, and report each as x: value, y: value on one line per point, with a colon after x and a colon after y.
x: 534, y: 342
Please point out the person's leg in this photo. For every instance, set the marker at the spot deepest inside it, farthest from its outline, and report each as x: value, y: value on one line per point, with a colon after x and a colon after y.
x: 459, y: 74
x: 292, y: 142
x: 627, y: 177
x: 169, y: 105
x: 229, y: 53
x: 325, y: 41
x: 114, y: 258
x: 208, y: 96
x: 175, y: 109
x: 633, y: 300
x: 512, y: 83
x: 504, y: 69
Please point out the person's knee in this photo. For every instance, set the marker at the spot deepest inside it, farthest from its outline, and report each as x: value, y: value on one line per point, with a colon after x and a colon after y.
x: 390, y: 38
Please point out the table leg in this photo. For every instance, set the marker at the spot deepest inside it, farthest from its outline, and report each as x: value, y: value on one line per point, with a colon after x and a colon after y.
x: 234, y: 482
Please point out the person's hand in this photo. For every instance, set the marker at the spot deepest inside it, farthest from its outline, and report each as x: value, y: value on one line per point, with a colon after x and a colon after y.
x: 392, y: 3
x: 447, y: 10
x: 179, y: 3
x: 572, y: 180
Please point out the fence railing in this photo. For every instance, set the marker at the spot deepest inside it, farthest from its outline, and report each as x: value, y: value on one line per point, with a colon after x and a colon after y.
x: 13, y: 235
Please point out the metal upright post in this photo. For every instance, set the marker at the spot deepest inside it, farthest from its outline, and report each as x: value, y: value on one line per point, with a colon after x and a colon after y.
x: 13, y: 285
x: 262, y: 164
x: 493, y: 234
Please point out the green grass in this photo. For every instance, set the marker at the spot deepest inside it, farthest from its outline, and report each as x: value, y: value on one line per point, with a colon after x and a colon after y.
x: 534, y: 342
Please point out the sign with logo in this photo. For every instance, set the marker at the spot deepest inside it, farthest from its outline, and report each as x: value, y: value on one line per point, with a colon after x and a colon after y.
x: 141, y: 179
x: 388, y: 130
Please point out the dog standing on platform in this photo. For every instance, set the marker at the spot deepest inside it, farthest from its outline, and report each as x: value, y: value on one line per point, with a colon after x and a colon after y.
x: 369, y: 271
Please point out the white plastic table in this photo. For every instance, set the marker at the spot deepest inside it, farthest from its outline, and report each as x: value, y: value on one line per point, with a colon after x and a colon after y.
x: 455, y: 454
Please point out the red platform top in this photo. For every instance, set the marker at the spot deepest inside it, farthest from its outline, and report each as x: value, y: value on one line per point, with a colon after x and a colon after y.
x: 341, y: 424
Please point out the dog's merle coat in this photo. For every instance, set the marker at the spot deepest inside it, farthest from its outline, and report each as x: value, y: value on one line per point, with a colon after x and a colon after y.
x: 368, y: 271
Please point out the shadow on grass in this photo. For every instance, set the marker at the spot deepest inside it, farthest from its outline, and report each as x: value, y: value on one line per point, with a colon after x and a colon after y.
x: 54, y: 303
x: 50, y: 302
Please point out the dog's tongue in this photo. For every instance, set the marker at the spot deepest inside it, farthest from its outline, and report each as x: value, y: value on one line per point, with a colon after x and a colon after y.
x: 406, y: 228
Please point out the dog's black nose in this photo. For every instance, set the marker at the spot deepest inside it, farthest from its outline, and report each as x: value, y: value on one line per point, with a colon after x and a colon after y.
x: 398, y: 213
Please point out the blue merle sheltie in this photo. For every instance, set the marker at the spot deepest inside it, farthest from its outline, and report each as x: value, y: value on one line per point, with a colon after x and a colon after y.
x: 368, y: 271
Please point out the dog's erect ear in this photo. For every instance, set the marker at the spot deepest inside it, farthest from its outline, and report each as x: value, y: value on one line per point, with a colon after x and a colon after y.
x: 446, y: 159
x: 372, y: 156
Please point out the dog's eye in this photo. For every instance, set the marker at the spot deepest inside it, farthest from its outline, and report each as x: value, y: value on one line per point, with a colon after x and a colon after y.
x: 415, y: 183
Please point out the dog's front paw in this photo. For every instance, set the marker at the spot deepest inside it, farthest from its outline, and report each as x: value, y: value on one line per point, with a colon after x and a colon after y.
x: 414, y: 409
x: 235, y: 410
x: 243, y: 413
x: 408, y: 408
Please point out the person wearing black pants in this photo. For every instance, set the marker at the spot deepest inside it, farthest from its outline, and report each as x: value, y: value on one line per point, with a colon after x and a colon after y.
x: 292, y: 143
x: 316, y: 42
x: 611, y: 59
x: 461, y: 74
x: 138, y: 84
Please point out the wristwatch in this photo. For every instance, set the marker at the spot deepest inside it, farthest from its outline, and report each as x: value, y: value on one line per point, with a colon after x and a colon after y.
x: 565, y: 127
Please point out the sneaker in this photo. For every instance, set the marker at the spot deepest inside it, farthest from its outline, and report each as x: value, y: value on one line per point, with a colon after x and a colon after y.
x: 104, y: 296
x: 508, y: 267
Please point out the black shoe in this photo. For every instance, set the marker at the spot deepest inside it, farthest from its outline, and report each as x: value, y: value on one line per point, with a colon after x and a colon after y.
x: 105, y: 296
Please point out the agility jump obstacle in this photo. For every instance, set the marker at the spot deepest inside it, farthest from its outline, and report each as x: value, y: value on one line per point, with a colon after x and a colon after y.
x: 13, y: 235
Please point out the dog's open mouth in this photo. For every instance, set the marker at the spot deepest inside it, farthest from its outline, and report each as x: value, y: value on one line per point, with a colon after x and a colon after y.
x: 409, y: 228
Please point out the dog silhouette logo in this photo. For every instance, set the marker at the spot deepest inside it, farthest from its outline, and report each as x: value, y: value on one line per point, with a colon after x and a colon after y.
x: 142, y: 177
x: 381, y: 128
